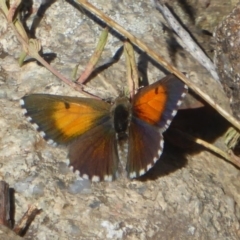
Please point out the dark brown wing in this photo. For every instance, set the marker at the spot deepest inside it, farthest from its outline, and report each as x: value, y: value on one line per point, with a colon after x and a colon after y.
x: 94, y: 153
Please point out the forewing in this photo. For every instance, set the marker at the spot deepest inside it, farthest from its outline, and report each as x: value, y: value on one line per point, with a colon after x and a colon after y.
x: 62, y: 119
x: 158, y: 103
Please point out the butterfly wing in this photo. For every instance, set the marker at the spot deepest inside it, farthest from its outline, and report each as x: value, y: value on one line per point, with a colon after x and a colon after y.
x: 94, y: 153
x: 84, y: 124
x: 153, y: 109
x: 62, y: 118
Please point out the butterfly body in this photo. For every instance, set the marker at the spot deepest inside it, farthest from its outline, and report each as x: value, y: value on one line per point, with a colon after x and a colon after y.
x: 92, y: 128
x: 121, y: 112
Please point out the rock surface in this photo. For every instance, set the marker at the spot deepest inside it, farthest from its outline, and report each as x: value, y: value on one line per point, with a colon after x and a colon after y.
x: 227, y: 56
x: 194, y: 194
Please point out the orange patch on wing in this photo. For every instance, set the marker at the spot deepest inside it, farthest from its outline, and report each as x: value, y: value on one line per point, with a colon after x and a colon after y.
x: 150, y: 106
x: 74, y: 119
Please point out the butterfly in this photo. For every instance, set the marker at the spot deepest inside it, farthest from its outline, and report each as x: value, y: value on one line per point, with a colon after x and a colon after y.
x: 92, y: 128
